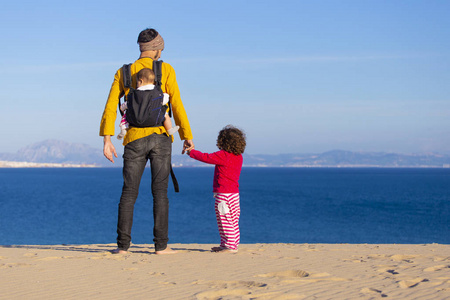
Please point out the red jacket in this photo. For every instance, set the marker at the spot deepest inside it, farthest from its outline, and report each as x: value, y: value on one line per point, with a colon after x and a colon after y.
x: 227, y: 170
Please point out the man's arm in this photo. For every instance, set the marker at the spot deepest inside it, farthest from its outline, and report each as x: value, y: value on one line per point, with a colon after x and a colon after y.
x: 109, y: 117
x: 110, y: 112
x: 108, y: 148
x: 179, y: 113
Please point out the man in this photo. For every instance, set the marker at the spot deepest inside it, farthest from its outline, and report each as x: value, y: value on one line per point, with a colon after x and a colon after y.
x: 142, y: 144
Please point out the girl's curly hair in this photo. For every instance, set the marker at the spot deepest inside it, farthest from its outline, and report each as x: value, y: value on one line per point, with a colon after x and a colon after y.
x: 231, y: 139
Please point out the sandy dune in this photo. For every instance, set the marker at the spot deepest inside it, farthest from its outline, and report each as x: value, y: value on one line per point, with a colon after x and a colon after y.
x: 257, y: 271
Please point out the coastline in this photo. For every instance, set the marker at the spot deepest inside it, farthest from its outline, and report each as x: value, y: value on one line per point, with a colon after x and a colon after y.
x: 257, y: 271
x: 22, y: 164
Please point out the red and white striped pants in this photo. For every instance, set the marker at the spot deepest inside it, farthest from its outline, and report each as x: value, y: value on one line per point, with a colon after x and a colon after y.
x: 227, y: 215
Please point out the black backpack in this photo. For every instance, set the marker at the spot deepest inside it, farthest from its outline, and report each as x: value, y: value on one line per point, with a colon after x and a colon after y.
x: 145, y: 108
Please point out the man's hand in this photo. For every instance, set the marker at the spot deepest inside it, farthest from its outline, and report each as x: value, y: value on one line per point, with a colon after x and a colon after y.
x: 187, y: 146
x: 108, y: 148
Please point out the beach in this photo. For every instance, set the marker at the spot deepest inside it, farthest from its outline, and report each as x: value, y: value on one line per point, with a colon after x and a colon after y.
x: 257, y: 271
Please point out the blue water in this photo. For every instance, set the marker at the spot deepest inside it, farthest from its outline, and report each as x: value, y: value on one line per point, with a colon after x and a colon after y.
x: 79, y: 206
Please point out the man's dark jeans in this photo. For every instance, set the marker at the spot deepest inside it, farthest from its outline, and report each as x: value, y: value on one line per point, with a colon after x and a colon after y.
x: 157, y: 148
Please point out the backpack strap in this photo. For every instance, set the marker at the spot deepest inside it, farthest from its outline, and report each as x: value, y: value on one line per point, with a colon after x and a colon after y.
x: 157, y: 69
x: 126, y: 74
x: 174, y: 180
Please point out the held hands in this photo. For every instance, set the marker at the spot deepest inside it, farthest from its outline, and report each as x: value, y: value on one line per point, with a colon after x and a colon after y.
x: 108, y: 148
x: 188, y: 146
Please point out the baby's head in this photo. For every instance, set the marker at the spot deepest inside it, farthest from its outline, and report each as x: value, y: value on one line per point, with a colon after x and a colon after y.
x: 145, y: 76
x: 231, y: 140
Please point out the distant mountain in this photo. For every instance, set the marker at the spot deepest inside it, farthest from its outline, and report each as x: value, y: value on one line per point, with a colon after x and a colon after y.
x: 340, y: 158
x: 54, y: 151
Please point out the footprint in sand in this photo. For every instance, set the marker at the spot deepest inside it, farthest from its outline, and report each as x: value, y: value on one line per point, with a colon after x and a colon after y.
x: 437, y: 268
x: 287, y: 273
x: 231, y: 289
x: 246, y: 284
x: 238, y: 289
x: 221, y: 294
x: 354, y: 260
x: 388, y: 269
x: 317, y: 277
x: 224, y: 284
x: 405, y: 284
x: 372, y: 291
x: 167, y: 283
x: 403, y: 258
x: 292, y: 276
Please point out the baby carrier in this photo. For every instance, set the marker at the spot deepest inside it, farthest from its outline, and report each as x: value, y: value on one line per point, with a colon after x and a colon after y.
x: 145, y: 108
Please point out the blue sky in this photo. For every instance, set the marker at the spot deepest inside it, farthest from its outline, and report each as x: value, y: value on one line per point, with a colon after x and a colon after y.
x: 297, y: 76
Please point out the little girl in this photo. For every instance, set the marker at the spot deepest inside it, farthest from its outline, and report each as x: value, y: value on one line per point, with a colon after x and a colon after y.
x: 228, y: 161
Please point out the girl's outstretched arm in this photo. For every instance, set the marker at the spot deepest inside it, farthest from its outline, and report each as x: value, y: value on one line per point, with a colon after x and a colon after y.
x: 216, y: 158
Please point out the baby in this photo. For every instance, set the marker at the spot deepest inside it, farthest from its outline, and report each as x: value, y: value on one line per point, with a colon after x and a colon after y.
x: 146, y: 81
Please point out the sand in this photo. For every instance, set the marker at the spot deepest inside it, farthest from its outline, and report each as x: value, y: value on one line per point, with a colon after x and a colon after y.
x: 257, y: 271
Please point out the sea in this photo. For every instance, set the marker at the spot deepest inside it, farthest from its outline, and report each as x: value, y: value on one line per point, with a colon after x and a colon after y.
x: 49, y: 206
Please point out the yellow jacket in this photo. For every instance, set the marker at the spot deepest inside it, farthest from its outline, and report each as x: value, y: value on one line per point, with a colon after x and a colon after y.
x: 169, y: 86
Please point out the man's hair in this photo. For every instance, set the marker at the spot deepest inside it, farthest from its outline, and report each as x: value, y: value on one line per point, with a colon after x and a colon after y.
x: 146, y: 75
x: 231, y: 139
x: 147, y: 35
